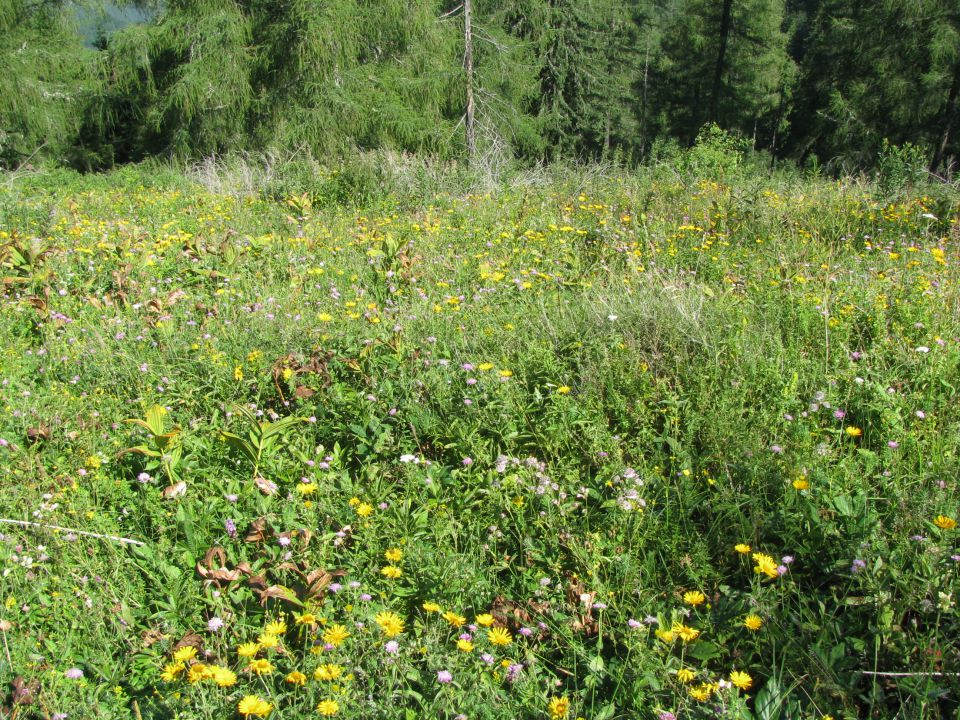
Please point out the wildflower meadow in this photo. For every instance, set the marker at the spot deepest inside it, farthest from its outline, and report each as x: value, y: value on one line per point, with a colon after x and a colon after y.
x: 655, y: 444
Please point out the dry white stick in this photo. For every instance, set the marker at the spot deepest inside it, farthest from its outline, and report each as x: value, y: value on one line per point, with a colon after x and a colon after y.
x: 28, y: 523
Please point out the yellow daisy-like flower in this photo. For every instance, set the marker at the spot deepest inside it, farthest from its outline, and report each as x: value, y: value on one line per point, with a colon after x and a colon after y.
x: 499, y: 636
x: 685, y: 632
x: 171, y: 671
x: 431, y: 607
x: 741, y: 680
x: 185, y: 654
x: 238, y: 373
x: 364, y: 510
x: 249, y: 649
x: 801, y: 483
x: 393, y: 555
x: 335, y: 635
x: 694, y: 598
x: 505, y: 373
x: 753, y: 622
x: 702, y: 692
x: 268, y: 641
x: 742, y: 548
x: 465, y: 645
x: 558, y: 707
x: 277, y: 627
x: 666, y: 636
x: 391, y: 572
x: 307, y: 619
x: 483, y: 367
x: 944, y: 522
x: 765, y: 565
x: 197, y: 672
x: 484, y: 619
x: 456, y: 620
x: 224, y: 677
x: 390, y: 623
x: 296, y: 678
x: 260, y: 667
x: 328, y: 708
x: 306, y: 488
x: 253, y: 706
x: 563, y: 390
x: 328, y: 672
x: 685, y: 675
x: 853, y: 431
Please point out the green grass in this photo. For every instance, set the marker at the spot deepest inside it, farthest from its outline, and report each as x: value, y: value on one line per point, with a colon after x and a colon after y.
x: 563, y: 403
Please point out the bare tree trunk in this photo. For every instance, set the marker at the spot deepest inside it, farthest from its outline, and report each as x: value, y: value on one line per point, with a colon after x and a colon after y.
x: 468, y: 62
x: 721, y: 57
x: 950, y: 116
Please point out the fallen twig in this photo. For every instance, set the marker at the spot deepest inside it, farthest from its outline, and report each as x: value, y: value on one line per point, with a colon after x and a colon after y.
x: 28, y: 523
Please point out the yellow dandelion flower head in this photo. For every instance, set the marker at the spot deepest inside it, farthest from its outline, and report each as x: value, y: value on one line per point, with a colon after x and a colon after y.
x: 328, y: 672
x: 853, y: 431
x: 248, y: 649
x: 393, y: 555
x: 464, y: 645
x: 686, y: 675
x: 694, y: 598
x: 335, y: 635
x: 484, y: 619
x: 268, y: 641
x: 390, y: 623
x: 328, y: 708
x: 753, y: 622
x: 260, y: 667
x: 364, y: 509
x: 801, y: 483
x: 741, y: 680
x: 558, y: 707
x: 431, y: 607
x: 171, y: 671
x: 392, y: 572
x: 254, y: 706
x: 224, y: 677
x: 185, y: 654
x: 296, y: 678
x: 945, y: 522
x: 306, y: 619
x: 742, y: 548
x: 456, y: 620
x: 499, y: 636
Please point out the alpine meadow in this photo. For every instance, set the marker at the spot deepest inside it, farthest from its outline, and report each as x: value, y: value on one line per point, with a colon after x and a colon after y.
x: 481, y: 360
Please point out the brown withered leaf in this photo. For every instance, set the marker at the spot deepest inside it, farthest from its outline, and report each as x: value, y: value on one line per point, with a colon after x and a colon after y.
x: 191, y: 639
x: 213, y: 568
x: 257, y: 531
x: 303, y: 392
x: 175, y: 490
x: 24, y: 693
x: 280, y: 592
x: 40, y: 433
x: 151, y: 637
x: 581, y: 604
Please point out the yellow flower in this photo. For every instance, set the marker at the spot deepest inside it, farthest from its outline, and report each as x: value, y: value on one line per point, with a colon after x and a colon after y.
x: 499, y: 636
x: 306, y: 488
x: 251, y: 705
x: 853, y: 431
x: 685, y: 675
x: 327, y: 708
x: 390, y: 623
x: 702, y: 692
x: 505, y: 373
x: 224, y: 677
x: 307, y: 619
x: 335, y: 634
x: 685, y: 632
x: 484, y: 619
x: 694, y: 598
x: 752, y: 622
x: 563, y: 390
x: 665, y: 635
x: 171, y: 671
x: 558, y: 707
x: 801, y: 483
x: 393, y: 555
x: 742, y: 548
x: 185, y: 654
x: 456, y: 620
x: 328, y: 672
x: 431, y: 607
x: 248, y: 649
x: 238, y: 373
x: 296, y: 678
x: 944, y: 522
x: 268, y: 641
x: 364, y: 509
x: 391, y: 571
x: 465, y: 645
x: 197, y: 672
x: 741, y: 680
x: 260, y: 667
x: 483, y: 367
x: 765, y: 565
